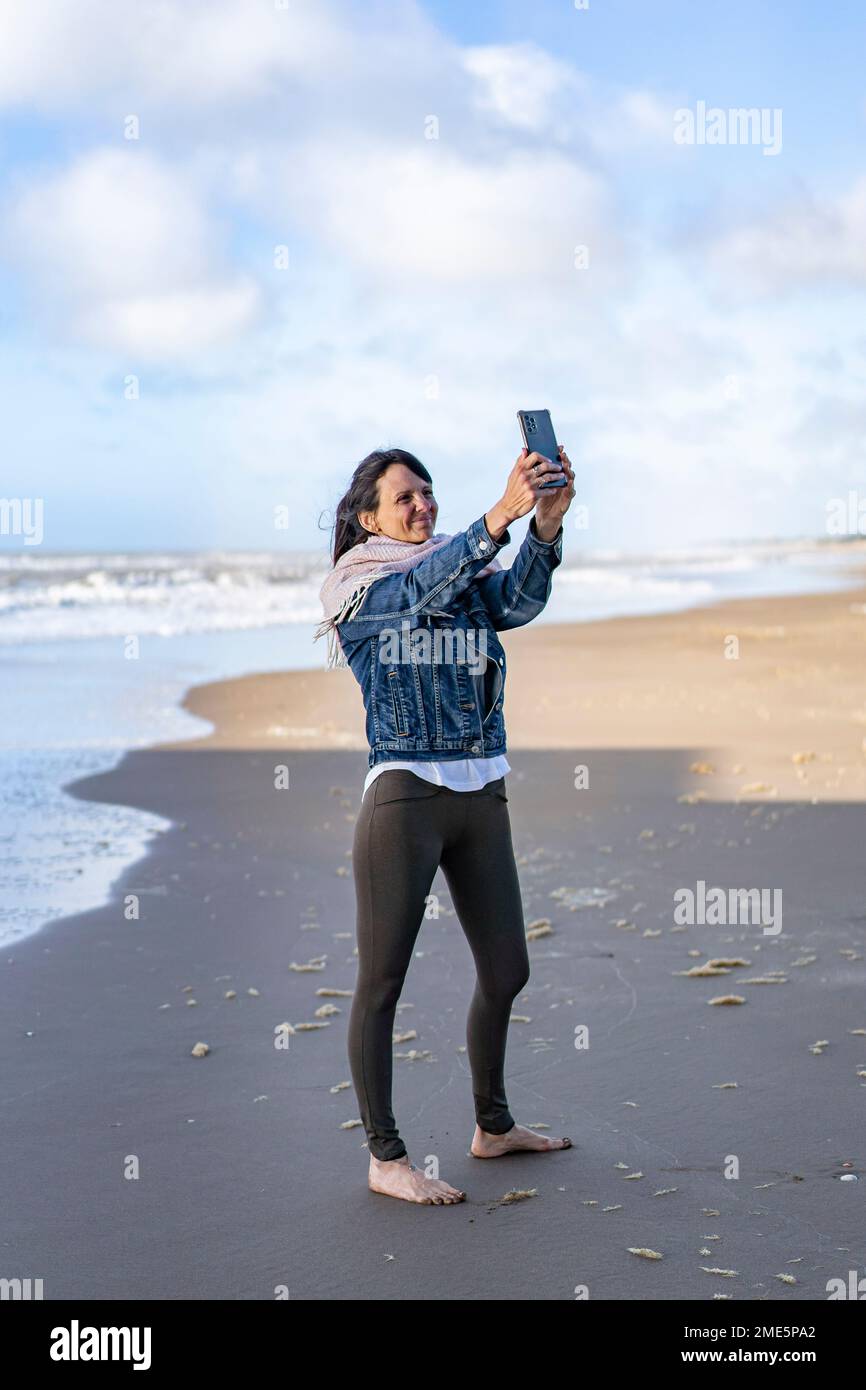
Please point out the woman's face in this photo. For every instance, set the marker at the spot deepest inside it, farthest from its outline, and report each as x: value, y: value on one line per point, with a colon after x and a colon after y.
x: 407, y: 508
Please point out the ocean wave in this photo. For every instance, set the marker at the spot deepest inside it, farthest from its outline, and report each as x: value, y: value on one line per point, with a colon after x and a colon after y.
x: 61, y: 597
x: 57, y: 597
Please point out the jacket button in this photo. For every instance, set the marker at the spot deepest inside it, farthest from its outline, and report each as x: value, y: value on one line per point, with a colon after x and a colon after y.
x: 482, y: 545
x: 502, y: 661
x: 475, y: 748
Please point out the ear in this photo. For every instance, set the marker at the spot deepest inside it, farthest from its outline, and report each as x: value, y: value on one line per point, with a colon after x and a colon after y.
x: 368, y: 521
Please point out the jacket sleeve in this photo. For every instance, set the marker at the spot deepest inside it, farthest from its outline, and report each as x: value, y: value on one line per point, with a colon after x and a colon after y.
x: 515, y: 596
x: 431, y: 585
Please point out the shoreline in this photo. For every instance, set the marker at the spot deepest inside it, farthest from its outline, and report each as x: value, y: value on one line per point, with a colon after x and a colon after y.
x: 784, y: 714
x: 306, y: 707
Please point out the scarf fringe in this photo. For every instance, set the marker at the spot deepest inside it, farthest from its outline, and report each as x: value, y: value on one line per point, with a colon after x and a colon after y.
x: 347, y: 610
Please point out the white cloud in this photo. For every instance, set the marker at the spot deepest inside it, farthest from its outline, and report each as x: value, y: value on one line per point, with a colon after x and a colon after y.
x: 638, y: 117
x: 123, y: 245
x: 115, y: 221
x: 521, y: 84
x: 53, y: 55
x: 426, y: 210
x: 813, y: 241
x: 171, y: 326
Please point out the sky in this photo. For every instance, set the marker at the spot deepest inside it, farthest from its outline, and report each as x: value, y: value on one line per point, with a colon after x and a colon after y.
x: 245, y: 242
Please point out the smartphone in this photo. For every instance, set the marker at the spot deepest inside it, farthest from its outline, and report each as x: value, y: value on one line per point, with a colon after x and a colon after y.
x: 539, y: 438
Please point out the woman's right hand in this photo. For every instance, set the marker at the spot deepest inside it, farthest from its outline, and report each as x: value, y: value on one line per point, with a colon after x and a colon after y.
x: 522, y: 490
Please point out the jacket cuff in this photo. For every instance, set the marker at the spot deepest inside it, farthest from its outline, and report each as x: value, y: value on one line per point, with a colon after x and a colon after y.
x: 547, y: 545
x: 483, y: 544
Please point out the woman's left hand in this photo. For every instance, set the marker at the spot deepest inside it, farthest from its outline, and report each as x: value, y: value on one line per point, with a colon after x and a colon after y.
x: 554, y: 502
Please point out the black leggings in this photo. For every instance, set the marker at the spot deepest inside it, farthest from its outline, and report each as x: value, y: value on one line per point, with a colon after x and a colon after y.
x: 406, y: 829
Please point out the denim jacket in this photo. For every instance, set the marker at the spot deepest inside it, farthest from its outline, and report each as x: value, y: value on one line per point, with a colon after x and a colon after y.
x: 423, y: 647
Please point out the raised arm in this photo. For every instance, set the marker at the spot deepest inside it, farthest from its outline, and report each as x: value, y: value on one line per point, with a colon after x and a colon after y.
x: 434, y: 582
x: 515, y: 596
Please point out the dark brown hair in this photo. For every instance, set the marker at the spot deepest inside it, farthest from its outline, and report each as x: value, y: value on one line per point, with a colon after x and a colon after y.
x: 363, y: 496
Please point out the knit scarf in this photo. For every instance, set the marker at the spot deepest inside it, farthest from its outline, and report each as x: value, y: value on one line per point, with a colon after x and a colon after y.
x: 357, y: 568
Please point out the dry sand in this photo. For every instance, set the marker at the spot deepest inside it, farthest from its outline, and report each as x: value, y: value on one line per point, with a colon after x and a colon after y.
x: 784, y: 717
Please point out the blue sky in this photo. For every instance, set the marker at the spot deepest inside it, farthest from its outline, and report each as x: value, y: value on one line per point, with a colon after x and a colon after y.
x: 705, y: 369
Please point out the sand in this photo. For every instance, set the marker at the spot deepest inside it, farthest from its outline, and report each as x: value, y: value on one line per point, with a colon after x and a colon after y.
x: 132, y: 1169
x: 772, y: 691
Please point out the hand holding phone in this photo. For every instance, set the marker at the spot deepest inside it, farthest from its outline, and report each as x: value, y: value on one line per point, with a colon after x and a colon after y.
x: 523, y: 491
x: 539, y: 438
x: 535, y: 472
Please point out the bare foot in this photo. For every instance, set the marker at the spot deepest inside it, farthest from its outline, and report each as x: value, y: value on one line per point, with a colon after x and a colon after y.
x: 397, y: 1177
x: 486, y: 1145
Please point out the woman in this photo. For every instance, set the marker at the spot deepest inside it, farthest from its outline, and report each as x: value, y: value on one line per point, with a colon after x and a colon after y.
x: 397, y: 603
